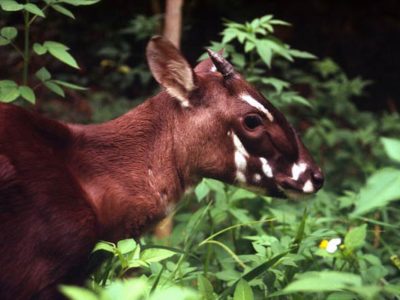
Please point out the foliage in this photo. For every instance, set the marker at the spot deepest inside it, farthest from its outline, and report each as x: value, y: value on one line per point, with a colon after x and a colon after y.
x: 229, y: 243
x: 10, y: 90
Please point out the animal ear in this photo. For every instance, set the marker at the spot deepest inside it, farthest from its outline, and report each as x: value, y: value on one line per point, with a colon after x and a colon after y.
x: 170, y: 69
x: 206, y: 66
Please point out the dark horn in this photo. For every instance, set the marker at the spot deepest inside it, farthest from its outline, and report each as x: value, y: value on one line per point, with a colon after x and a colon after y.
x: 222, y: 65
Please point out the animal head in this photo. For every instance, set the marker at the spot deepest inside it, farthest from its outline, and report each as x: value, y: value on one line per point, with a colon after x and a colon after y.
x: 228, y: 130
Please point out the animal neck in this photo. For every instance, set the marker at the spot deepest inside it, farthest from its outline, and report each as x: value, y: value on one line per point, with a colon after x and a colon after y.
x: 131, y: 167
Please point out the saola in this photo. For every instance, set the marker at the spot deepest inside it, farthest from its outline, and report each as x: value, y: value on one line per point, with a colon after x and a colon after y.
x: 65, y: 186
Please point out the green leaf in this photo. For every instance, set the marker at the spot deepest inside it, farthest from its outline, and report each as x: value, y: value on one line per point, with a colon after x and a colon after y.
x: 8, y: 91
x: 55, y: 88
x: 156, y: 254
x: 39, y: 49
x: 125, y: 246
x: 52, y: 44
x: 248, y: 46
x: 214, y: 184
x: 243, y: 291
x: 9, y: 33
x: 278, y: 84
x: 11, y: 5
x: 34, y: 9
x: 4, y: 41
x: 70, y: 85
x: 279, y: 22
x: 392, y: 148
x: 301, y: 54
x: 201, y: 190
x: 43, y: 75
x: 63, y: 10
x: 255, y: 272
x: 355, y: 238
x: 265, y: 52
x: 80, y: 2
x: 60, y: 51
x: 77, y: 293
x: 104, y: 246
x: 27, y: 93
x: 323, y: 281
x: 382, y: 187
x: 205, y: 288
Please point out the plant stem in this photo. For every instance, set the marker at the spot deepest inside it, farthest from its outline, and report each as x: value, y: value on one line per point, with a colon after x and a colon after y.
x: 35, y: 16
x: 26, y: 47
x: 17, y: 49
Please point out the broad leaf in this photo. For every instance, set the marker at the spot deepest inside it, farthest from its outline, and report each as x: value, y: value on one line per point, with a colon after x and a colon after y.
x: 55, y: 88
x: 392, y: 148
x: 70, y: 85
x: 63, y: 10
x: 77, y: 293
x: 205, y: 288
x: 11, y: 5
x: 323, y: 281
x: 60, y: 51
x: 127, y: 245
x: 80, y: 2
x: 156, y: 254
x: 355, y: 238
x: 43, y: 75
x: 27, y: 93
x: 243, y: 291
x: 9, y: 33
x: 39, y: 49
x: 34, y: 9
x: 382, y: 187
x: 8, y: 91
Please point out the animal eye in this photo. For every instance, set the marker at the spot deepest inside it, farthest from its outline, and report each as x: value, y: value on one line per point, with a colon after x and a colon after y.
x: 253, y: 121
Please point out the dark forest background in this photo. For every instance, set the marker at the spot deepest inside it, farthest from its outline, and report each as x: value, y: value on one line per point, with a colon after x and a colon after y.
x: 363, y: 37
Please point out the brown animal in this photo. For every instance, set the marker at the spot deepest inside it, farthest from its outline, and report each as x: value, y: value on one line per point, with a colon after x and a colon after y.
x: 65, y: 186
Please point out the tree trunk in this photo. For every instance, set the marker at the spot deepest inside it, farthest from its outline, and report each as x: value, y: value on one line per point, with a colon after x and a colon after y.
x: 172, y: 31
x: 173, y: 21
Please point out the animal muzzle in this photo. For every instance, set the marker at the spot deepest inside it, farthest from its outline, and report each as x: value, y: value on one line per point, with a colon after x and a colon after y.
x: 306, y: 183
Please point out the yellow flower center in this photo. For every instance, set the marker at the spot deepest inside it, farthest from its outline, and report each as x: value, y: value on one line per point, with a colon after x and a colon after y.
x: 323, y: 244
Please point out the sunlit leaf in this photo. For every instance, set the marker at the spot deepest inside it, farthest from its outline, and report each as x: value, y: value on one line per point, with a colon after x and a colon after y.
x: 11, y: 5
x: 382, y: 187
x: 392, y: 147
x: 9, y: 33
x: 27, y: 93
x: 34, y: 9
x: 63, y: 10
x: 355, y: 238
x: 243, y: 291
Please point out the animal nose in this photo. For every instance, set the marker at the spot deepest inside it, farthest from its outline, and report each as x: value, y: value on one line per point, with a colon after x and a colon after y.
x: 318, y: 179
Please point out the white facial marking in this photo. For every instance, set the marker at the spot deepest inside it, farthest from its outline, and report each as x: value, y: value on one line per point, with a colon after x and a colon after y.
x: 213, y: 69
x: 266, y: 167
x: 308, y: 187
x: 297, y: 169
x: 257, y: 178
x: 253, y: 102
x: 241, y: 156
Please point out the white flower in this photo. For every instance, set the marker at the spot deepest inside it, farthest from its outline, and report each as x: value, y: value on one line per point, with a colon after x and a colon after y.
x: 333, y: 245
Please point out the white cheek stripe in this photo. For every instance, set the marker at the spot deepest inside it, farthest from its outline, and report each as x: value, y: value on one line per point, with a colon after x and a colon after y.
x: 308, y: 187
x: 253, y: 102
x: 241, y: 156
x: 257, y: 178
x: 297, y: 169
x: 266, y: 168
